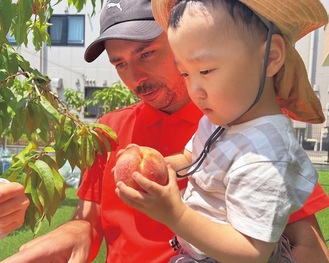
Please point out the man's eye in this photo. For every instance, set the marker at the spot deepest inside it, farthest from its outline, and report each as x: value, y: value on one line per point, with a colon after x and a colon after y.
x: 120, y: 65
x: 147, y: 54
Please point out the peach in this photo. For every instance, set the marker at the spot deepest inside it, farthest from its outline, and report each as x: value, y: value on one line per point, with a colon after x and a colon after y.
x: 145, y: 160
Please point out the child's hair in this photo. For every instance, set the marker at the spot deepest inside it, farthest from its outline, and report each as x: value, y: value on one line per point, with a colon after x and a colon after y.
x: 247, y: 24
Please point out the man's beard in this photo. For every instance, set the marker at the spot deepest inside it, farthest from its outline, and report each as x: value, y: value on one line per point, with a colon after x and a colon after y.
x: 147, y: 88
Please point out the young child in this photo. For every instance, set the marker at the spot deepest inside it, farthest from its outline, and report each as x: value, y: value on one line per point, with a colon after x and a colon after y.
x: 247, y: 171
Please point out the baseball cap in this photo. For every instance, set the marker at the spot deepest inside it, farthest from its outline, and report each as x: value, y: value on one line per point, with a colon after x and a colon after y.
x: 126, y: 20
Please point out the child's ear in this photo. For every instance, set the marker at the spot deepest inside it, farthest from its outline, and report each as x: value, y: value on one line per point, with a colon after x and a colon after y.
x: 277, y: 55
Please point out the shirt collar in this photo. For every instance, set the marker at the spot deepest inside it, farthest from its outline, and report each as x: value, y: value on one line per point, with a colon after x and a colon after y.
x: 189, y: 113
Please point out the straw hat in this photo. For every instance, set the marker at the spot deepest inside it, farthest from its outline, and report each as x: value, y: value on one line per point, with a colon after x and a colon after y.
x: 295, y: 19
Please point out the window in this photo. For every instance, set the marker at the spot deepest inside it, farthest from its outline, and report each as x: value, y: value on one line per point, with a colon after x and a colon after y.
x: 67, y: 30
x: 92, y: 111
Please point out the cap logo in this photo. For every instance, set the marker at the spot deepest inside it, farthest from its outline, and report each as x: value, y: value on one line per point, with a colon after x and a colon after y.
x: 118, y: 5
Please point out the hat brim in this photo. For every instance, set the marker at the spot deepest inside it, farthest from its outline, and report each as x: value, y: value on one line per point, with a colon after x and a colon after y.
x: 294, y: 92
x: 129, y: 30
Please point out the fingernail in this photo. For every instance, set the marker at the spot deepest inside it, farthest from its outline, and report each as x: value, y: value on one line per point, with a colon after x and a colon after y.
x: 3, y: 180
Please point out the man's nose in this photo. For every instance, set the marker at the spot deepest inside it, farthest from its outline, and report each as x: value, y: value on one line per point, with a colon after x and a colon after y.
x: 136, y: 75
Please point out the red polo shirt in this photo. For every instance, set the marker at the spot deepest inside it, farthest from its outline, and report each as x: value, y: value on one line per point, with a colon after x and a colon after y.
x: 316, y: 202
x: 131, y: 236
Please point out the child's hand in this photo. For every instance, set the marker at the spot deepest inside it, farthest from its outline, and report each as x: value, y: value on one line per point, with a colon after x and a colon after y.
x: 162, y: 203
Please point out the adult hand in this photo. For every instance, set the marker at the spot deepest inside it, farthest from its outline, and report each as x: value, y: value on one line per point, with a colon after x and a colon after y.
x: 13, y: 205
x: 69, y: 242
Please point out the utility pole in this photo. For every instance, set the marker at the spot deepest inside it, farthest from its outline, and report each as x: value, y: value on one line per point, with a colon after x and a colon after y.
x: 43, y: 59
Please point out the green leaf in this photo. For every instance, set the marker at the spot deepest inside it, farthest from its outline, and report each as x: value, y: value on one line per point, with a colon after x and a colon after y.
x: 20, y: 25
x: 31, y: 148
x: 45, y: 174
x: 83, y: 151
x: 7, y: 13
x: 74, y: 157
x: 13, y: 173
x: 3, y: 74
x: 16, y: 127
x: 50, y: 110
x: 10, y: 59
x: 108, y: 131
x: 35, y: 183
x: 104, y: 140
x: 23, y: 64
x: 97, y: 142
x: 35, y: 212
x: 37, y: 38
x: 29, y: 118
x: 64, y: 131
x: 59, y: 188
x: 49, y: 149
x: 5, y: 112
x: 90, y: 150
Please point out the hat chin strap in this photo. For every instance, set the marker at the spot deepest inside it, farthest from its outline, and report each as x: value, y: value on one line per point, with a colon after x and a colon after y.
x: 270, y: 27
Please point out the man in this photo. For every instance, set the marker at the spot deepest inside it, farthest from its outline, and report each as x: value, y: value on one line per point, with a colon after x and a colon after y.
x: 13, y: 205
x: 165, y: 119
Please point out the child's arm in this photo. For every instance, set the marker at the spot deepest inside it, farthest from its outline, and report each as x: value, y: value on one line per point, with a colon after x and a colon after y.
x: 219, y: 241
x: 180, y: 160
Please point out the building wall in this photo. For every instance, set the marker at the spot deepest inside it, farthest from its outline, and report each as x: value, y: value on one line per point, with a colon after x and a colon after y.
x: 326, y: 47
x: 322, y: 72
x: 325, y: 43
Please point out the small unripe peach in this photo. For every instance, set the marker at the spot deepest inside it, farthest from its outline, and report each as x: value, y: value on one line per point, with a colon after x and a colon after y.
x: 145, y: 160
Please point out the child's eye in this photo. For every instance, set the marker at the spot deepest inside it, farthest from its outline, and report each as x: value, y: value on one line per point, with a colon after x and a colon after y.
x: 184, y: 75
x: 205, y: 72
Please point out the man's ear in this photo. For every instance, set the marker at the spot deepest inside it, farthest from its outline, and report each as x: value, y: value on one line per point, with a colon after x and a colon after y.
x: 277, y: 55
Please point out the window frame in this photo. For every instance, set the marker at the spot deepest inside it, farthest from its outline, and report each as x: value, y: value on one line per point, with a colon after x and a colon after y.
x: 92, y: 111
x: 64, y: 41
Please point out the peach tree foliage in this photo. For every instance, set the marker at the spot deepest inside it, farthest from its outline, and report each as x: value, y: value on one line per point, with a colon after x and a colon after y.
x: 108, y: 99
x: 114, y: 97
x: 75, y: 100
x: 29, y: 108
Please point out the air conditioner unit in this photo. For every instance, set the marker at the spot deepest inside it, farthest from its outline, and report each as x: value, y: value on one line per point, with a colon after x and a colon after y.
x: 56, y: 83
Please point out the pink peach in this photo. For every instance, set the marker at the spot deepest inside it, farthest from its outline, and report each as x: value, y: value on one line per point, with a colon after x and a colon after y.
x: 145, y: 160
